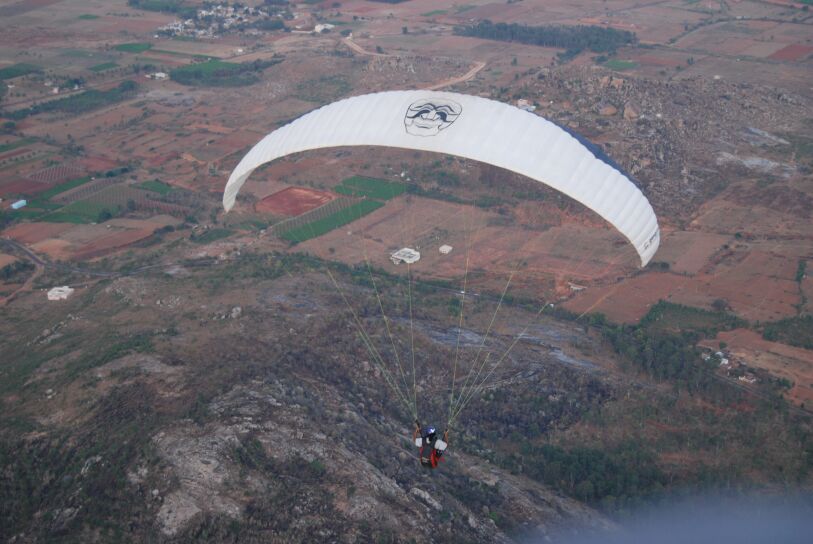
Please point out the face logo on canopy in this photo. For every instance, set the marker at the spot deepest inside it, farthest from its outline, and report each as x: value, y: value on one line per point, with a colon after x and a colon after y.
x: 429, y: 116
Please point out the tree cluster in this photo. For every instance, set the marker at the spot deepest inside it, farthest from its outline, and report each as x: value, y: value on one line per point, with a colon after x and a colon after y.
x: 572, y: 38
x: 221, y: 74
x: 178, y: 7
x: 78, y: 103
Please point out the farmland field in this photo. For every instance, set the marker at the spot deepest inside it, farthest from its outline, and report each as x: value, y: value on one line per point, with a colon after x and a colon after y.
x: 370, y: 187
x: 133, y: 47
x: 17, y: 70
x: 62, y: 187
x: 77, y: 212
x: 293, y: 201
x: 14, y: 145
x: 335, y: 220
x: 212, y: 235
x: 620, y: 65
x: 103, y: 66
x: 156, y: 187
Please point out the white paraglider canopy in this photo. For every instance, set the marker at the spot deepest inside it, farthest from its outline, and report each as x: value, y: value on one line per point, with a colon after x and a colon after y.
x: 475, y: 128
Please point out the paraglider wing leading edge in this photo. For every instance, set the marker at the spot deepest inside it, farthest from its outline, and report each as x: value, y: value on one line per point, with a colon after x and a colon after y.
x: 474, y: 128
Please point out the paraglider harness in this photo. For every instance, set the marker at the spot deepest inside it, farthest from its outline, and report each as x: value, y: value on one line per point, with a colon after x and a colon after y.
x: 431, y: 447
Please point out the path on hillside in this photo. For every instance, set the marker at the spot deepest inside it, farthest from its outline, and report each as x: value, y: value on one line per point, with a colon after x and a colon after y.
x: 359, y: 49
x: 478, y: 65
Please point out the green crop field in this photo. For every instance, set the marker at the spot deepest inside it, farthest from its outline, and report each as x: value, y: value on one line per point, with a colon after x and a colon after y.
x: 620, y: 65
x: 62, y: 187
x: 78, y: 212
x: 218, y: 73
x: 207, y: 68
x: 38, y: 203
x: 78, y: 53
x: 14, y: 145
x: 212, y: 235
x: 434, y: 12
x: 335, y: 220
x: 138, y: 47
x: 103, y: 66
x: 27, y: 213
x: 17, y: 70
x: 156, y: 186
x: 174, y: 53
x: 371, y: 188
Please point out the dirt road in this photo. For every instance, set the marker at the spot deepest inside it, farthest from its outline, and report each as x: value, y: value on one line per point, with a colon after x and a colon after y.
x: 360, y: 50
x: 479, y: 65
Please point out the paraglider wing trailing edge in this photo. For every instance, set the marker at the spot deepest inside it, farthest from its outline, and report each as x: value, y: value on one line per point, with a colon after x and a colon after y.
x: 475, y: 128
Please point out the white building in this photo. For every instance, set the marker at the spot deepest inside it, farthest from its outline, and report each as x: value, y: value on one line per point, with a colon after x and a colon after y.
x: 524, y: 104
x: 445, y: 250
x: 60, y: 293
x: 405, y: 255
x: 322, y: 27
x: 19, y: 204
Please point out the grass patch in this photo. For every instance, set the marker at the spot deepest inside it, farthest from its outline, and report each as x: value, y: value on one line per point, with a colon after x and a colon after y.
x: 156, y: 186
x: 370, y: 187
x: 88, y: 17
x: 137, y: 47
x: 17, y: 70
x: 14, y: 145
x: 177, y: 53
x: 78, y: 53
x: 103, y: 66
x: 212, y: 235
x: 62, y: 187
x: 335, y: 220
x: 40, y: 204
x: 27, y: 213
x: 620, y: 65
x: 81, y: 212
x: 434, y: 12
x: 667, y: 317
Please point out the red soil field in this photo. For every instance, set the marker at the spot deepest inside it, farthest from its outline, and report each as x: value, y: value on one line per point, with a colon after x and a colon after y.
x: 19, y: 185
x: 31, y: 233
x: 792, y: 52
x: 629, y: 301
x: 758, y: 286
x: 159, y: 160
x: 108, y: 244
x: 658, y: 61
x: 98, y: 164
x: 293, y: 201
